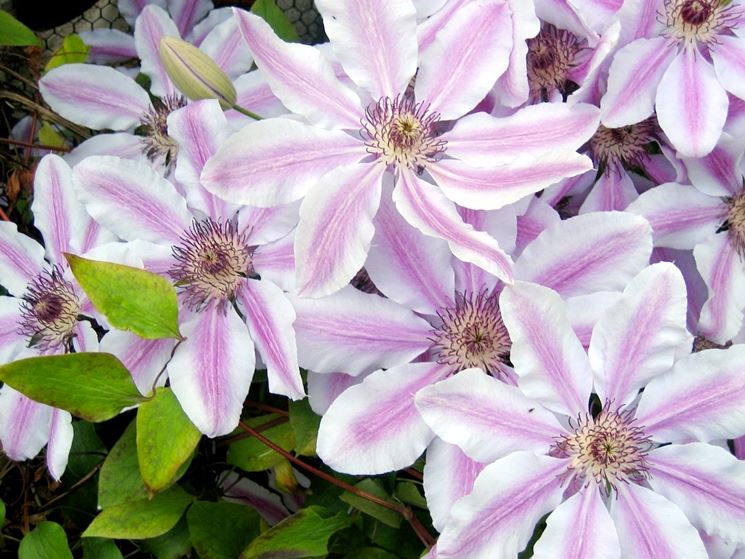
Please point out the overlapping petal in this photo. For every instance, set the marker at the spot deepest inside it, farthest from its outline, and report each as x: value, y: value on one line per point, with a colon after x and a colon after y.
x: 151, y: 26
x: 22, y: 257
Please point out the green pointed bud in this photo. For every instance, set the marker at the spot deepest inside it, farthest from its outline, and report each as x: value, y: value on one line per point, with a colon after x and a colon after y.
x: 194, y: 73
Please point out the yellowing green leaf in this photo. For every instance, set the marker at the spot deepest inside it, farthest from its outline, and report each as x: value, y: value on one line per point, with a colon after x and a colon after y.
x: 132, y: 299
x: 50, y: 137
x: 14, y: 34
x: 94, y: 386
x: 379, y: 512
x: 252, y: 455
x: 72, y: 50
x: 119, y: 480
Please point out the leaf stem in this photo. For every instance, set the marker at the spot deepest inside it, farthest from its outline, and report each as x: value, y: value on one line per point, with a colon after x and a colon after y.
x: 250, y: 114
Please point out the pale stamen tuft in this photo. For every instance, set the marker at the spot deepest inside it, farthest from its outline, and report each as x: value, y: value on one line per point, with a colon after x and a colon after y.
x: 699, y: 22
x: 157, y: 143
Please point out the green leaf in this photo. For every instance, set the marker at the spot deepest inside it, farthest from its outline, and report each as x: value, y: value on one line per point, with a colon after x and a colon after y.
x: 166, y: 439
x: 94, y: 386
x: 50, y: 137
x: 136, y: 520
x: 221, y: 530
x: 252, y: 455
x: 379, y: 512
x: 2, y: 513
x: 408, y: 492
x: 276, y: 18
x: 119, y: 480
x: 304, y: 534
x: 131, y: 299
x: 14, y: 34
x: 304, y: 422
x: 174, y: 544
x: 72, y: 49
x: 100, y: 548
x: 46, y: 541
x: 86, y: 452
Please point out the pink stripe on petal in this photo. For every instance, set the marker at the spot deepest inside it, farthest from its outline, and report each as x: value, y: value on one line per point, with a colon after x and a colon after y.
x: 702, y: 398
x: 425, y: 207
x: 611, y: 192
x: 24, y: 425
x: 109, y: 46
x: 11, y: 342
x: 22, y: 259
x: 226, y: 47
x: 300, y: 76
x: 265, y: 225
x: 144, y: 359
x: 639, y: 337
x: 498, y: 517
x: 579, y: 528
x: 247, y: 492
x: 428, y: 29
x: 468, y: 55
x: 95, y: 96
x: 151, y: 26
x: 706, y: 482
x: 728, y: 56
x: 537, y: 218
x: 211, y: 371
x: 275, y: 262
x: 255, y: 94
x: 649, y: 526
x: 186, y: 13
x: 718, y: 174
x: 374, y: 427
x: 375, y: 41
x: 592, y: 252
x: 336, y: 227
x: 130, y: 199
x: 486, y: 418
x: 324, y: 388
x: 269, y: 317
x: 546, y: 354
x: 276, y: 161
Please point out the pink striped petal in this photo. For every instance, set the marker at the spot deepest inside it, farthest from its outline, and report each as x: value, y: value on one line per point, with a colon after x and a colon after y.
x: 722, y: 270
x: 563, y: 14
x: 565, y: 190
x: 24, y: 424
x: 428, y: 29
x: 95, y: 96
x: 427, y: 209
x: 702, y: 398
x: 547, y: 356
x: 186, y: 13
x: 276, y: 161
x: 109, y: 46
x: 483, y: 140
x: 487, y: 419
x: 728, y: 56
x: 612, y: 192
x: 407, y: 266
x: 324, y: 388
x: 466, y: 58
x: 691, y: 104
x: 538, y: 217
x: 300, y: 76
x: 145, y: 359
x: 211, y: 371
x: 680, y: 216
x: 633, y: 78
x: 498, y: 517
x: 718, y: 174
x: 59, y: 216
x: 269, y: 317
x: 151, y: 26
x: 22, y: 258
x: 247, y: 492
x: 639, y: 336
x: 355, y: 332
x: 448, y: 475
x: 592, y: 252
x: 374, y: 427
x: 121, y: 144
x: 375, y: 41
x: 579, y: 528
x: 275, y: 262
x: 60, y: 442
x: 11, y: 341
x: 264, y: 225
x: 131, y: 199
x: 255, y: 94
x: 649, y: 526
x: 130, y: 9
x: 226, y: 47
x: 584, y: 311
x: 336, y: 227
x: 706, y: 482
x: 493, y: 187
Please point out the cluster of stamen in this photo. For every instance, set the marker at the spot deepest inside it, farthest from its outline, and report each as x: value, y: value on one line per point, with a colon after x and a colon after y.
x: 551, y: 56
x: 472, y: 334
x: 608, y: 449
x: 211, y: 261
x: 49, y: 311
x: 615, y: 148
x: 401, y: 132
x: 699, y: 21
x: 158, y: 145
x: 734, y: 223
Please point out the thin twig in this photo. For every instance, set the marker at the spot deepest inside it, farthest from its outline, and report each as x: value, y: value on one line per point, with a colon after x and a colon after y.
x: 77, y: 484
x: 260, y: 428
x: 49, y: 115
x: 30, y: 145
x: 266, y: 407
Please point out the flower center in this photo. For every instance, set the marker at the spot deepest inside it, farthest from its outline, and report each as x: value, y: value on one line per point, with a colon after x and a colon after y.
x: 608, y: 449
x: 211, y: 261
x: 472, y: 334
x: 49, y: 311
x: 735, y: 222
x: 401, y: 132
x: 616, y: 148
x: 698, y: 21
x: 157, y: 143
x: 551, y: 56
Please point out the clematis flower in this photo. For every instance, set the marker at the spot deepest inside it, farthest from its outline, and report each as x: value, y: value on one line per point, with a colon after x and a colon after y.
x: 442, y: 316
x: 221, y: 260
x: 683, y: 62
x: 339, y: 159
x: 629, y: 476
x: 44, y: 316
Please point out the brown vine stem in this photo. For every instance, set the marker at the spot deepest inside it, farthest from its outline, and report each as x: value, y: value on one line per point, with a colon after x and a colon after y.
x: 263, y: 427
x: 266, y: 407
x: 30, y: 145
x: 424, y: 536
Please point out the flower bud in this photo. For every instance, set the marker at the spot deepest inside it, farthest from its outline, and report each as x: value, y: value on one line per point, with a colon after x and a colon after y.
x: 194, y: 73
